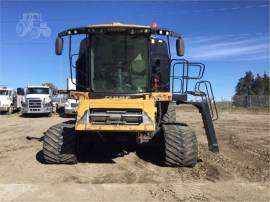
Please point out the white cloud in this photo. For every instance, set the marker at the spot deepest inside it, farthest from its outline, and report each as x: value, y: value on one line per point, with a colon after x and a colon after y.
x: 233, y: 47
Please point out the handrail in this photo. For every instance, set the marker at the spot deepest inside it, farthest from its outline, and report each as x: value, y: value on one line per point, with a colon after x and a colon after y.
x: 209, y: 100
x: 185, y: 73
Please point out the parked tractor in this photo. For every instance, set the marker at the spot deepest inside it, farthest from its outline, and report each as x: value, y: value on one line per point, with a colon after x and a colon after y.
x: 128, y: 81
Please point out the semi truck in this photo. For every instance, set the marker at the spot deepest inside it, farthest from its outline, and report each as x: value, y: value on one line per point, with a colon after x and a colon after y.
x: 38, y: 100
x: 10, y: 101
x: 65, y: 104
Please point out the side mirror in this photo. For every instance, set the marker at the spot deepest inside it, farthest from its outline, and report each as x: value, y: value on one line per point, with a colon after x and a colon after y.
x: 20, y: 91
x: 180, y: 47
x: 59, y: 45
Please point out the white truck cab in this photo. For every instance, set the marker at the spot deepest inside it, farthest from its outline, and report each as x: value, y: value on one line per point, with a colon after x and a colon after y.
x: 65, y: 105
x: 38, y: 100
x: 70, y: 107
x: 9, y: 100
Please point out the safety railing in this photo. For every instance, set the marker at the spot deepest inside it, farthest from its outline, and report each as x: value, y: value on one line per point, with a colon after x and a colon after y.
x: 207, y: 96
x: 183, y: 75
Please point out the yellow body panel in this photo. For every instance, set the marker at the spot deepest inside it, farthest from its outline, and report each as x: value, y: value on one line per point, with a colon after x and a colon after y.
x: 160, y: 96
x: 147, y: 105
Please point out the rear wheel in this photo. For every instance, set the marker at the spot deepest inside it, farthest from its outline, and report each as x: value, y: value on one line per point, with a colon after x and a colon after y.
x: 49, y: 114
x: 10, y: 110
x: 59, y: 144
x: 180, y: 145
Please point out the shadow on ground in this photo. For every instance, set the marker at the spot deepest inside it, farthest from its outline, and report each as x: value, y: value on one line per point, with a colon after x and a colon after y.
x: 106, y: 152
x: 104, y: 148
x: 36, y: 115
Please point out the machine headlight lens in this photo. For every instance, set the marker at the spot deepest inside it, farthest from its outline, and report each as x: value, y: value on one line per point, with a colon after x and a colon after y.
x: 67, y: 105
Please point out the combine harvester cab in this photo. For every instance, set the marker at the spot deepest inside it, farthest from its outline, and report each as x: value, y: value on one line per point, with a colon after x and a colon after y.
x: 127, y: 81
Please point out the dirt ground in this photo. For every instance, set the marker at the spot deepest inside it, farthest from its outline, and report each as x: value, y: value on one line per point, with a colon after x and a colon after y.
x: 239, y: 172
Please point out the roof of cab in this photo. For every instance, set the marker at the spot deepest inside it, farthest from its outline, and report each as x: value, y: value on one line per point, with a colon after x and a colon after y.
x: 38, y: 87
x: 9, y: 89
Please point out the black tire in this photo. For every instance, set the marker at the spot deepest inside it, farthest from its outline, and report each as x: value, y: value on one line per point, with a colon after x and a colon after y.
x: 10, y: 110
x: 180, y: 145
x: 63, y: 115
x: 59, y: 144
x: 169, y: 114
x: 49, y: 114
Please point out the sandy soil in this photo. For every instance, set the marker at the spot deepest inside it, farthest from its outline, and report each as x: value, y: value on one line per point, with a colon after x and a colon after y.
x: 239, y: 172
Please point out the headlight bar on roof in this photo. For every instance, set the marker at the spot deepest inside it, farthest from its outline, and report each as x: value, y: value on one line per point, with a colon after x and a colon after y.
x: 131, y: 30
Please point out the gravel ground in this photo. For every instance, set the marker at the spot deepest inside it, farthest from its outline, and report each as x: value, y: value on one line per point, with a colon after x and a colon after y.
x: 239, y: 172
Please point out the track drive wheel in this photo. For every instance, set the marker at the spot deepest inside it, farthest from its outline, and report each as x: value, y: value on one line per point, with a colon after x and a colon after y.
x: 180, y: 145
x: 169, y: 115
x: 59, y: 144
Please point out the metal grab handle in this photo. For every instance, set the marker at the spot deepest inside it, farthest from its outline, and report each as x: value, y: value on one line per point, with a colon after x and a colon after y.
x: 212, y: 106
x: 186, y: 66
x: 180, y: 80
x: 185, y: 75
x: 201, y: 69
x: 183, y: 80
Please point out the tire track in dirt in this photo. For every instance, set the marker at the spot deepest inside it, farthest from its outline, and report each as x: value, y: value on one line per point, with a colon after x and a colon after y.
x: 14, y: 148
x: 223, y: 163
x: 259, y: 153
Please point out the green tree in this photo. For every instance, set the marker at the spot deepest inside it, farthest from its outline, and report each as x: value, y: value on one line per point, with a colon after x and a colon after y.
x: 52, y: 87
x: 248, y: 85
x: 244, y: 85
x: 258, y: 85
x: 266, y: 80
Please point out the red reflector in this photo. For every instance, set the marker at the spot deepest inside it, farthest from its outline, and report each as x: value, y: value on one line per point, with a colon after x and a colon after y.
x: 156, y: 82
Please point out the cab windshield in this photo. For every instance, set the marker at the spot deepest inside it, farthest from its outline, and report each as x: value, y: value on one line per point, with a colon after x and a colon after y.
x: 3, y: 92
x: 38, y: 91
x: 118, y: 63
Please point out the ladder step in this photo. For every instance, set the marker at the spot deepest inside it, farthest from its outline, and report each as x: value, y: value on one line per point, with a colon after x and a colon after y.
x: 197, y: 93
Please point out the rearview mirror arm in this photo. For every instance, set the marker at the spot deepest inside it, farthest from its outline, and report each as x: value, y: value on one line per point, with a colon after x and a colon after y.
x: 70, y: 60
x: 169, y: 47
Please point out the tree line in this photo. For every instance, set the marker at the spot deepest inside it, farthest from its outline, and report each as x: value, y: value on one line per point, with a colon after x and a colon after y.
x: 250, y: 85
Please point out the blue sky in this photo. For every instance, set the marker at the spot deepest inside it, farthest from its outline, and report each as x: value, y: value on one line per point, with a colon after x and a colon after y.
x: 230, y: 37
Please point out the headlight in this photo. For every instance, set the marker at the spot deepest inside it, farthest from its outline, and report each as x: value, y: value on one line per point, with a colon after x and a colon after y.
x: 48, y: 104
x: 67, y: 105
x: 23, y: 104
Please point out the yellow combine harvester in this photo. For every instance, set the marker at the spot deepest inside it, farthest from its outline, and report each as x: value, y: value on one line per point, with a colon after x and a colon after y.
x: 127, y: 81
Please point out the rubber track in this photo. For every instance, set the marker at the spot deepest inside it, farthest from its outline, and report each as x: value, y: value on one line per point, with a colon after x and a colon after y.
x: 181, y: 147
x: 59, y: 144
